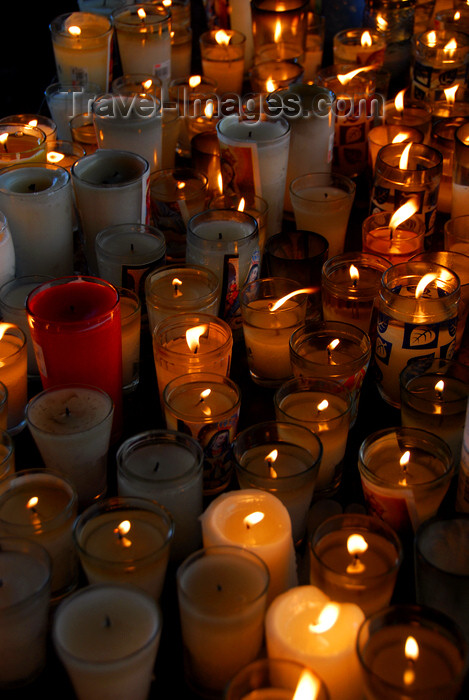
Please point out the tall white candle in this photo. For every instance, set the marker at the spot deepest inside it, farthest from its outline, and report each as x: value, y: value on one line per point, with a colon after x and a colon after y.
x: 7, y: 252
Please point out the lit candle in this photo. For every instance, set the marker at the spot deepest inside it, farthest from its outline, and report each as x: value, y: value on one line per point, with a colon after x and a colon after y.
x: 125, y: 540
x: 363, y: 47
x: 42, y: 506
x: 304, y: 625
x: 222, y: 54
x: 405, y: 474
x: 181, y: 51
x: 383, y: 134
x: 397, y: 236
x: 21, y: 144
x: 439, y: 58
x: 107, y: 637
x: 258, y: 521
x: 404, y: 112
x: 14, y: 373
x: 355, y: 559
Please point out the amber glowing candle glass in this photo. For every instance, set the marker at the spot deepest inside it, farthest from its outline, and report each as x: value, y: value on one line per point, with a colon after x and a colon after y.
x: 439, y: 58
x: 397, y: 243
x: 21, y: 144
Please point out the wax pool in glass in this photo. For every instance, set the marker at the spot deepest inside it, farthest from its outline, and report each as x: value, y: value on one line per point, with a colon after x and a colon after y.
x: 324, y: 407
x: 405, y: 474
x: 21, y: 144
x: 208, y: 406
x: 166, y: 466
x: 355, y: 558
x: 282, y: 458
x: 191, y: 342
x: 396, y: 245
x: 277, y: 678
x: 125, y: 540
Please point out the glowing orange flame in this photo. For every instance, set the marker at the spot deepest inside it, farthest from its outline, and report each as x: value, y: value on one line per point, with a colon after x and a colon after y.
x: 253, y: 518
x: 347, y: 77
x: 323, y: 405
x: 4, y: 327
x: 451, y: 47
x: 382, y: 23
x: 3, y: 137
x: 277, y: 304
x: 326, y: 618
x: 278, y: 31
x: 222, y: 38
x: 400, y: 137
x: 356, y: 544
x: 122, y: 529
x: 411, y: 649
x: 404, y: 159
x: 424, y: 282
x: 365, y: 40
x: 141, y: 13
x: 308, y: 687
x: 220, y: 183
x: 450, y: 94
x: 403, y: 213
x: 209, y: 109
x: 32, y: 122
x: 439, y: 386
x: 74, y: 30
x: 54, y: 157
x: 242, y: 204
x: 431, y: 39
x: 193, y: 337
x: 32, y: 503
x: 148, y: 83
x: 195, y: 80
x: 354, y: 274
x: 205, y: 394
x: 270, y: 85
x: 333, y: 344
x: 399, y: 100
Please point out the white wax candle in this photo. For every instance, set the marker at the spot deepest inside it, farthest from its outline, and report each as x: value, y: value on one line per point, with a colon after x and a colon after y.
x: 13, y: 373
x: 223, y: 522
x: 144, y: 44
x: 131, y: 325
x: 7, y: 252
x: 241, y: 20
x: 294, y: 631
x: 107, y: 637
x: 460, y: 200
x: 224, y: 65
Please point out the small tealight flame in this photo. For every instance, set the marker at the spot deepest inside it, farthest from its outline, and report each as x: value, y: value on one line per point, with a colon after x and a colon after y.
x: 278, y: 31
x: 121, y: 530
x: 167, y: 3
x: 54, y: 157
x: 365, y: 40
x: 431, y: 39
x: 253, y: 518
x: 411, y: 651
x: 323, y: 405
x: 205, y: 394
x: 356, y: 545
x: 326, y: 618
x: 308, y: 686
x: 402, y: 214
x: 4, y: 327
x: 424, y: 282
x: 141, y: 13
x: 222, y: 38
x: 220, y: 183
x: 181, y: 185
x: 195, y: 80
x: 209, y: 109
x: 280, y: 302
x: 399, y: 100
x: 176, y: 284
x: 451, y: 47
x: 270, y: 459
x: 148, y: 83
x: 193, y: 337
x: 450, y: 94
x: 333, y: 344
x: 3, y: 137
x: 404, y: 159
x: 403, y: 462
x: 457, y: 16
x: 400, y: 137
x: 439, y: 388
x: 32, y: 503
x: 74, y: 30
x: 242, y: 204
x: 33, y: 122
x: 347, y: 77
x: 354, y: 275
x: 269, y: 85
x: 382, y: 23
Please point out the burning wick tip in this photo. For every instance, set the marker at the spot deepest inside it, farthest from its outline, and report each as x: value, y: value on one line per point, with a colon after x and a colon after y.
x: 219, y: 588
x: 107, y: 621
x: 67, y: 411
x: 156, y: 467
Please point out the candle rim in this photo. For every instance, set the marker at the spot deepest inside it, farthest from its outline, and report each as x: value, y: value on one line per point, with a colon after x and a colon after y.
x: 201, y: 380
x: 40, y: 555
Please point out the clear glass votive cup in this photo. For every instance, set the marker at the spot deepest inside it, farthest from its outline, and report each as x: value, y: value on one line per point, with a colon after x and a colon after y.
x: 277, y: 678
x: 7, y: 455
x: 456, y: 233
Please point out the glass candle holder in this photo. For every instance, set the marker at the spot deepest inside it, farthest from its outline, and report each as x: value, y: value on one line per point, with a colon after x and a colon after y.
x: 273, y: 22
x: 314, y: 353
x: 7, y: 446
x: 384, y: 134
x: 407, y: 113
x: 189, y: 93
x: 176, y: 195
x: 459, y: 206
x: 405, y: 474
x: 231, y: 519
x: 45, y: 124
x: 64, y: 153
x: 175, y: 289
x: 357, y: 106
x: 82, y: 48
x: 433, y: 667
x: 176, y: 352
x: 282, y: 458
x: 280, y: 51
x: 83, y: 132
x: 324, y: 407
x: 456, y: 234
x: 267, y: 331
x: 328, y: 651
x: 251, y: 204
x: 278, y: 677
x: 360, y: 46
x: 166, y: 466
x: 136, y: 84
x: 24, y: 609
x: 443, y: 139
x: 125, y: 540
x: 449, y: 103
x: 298, y: 255
x: 65, y: 101
x: 441, y: 568
x: 434, y: 396
x: 143, y: 38
x: 227, y: 242
x: 181, y: 49
x: 222, y: 58
x: 273, y: 74
x: 3, y: 406
x: 71, y: 426
x: 396, y: 182
x: 315, y: 34
x: 350, y: 288
x: 110, y: 187
x: 362, y: 570
x: 205, y: 156
x: 208, y: 406
x: 128, y: 253
x: 21, y: 143
x: 222, y: 594
x: 101, y: 656
x: 413, y: 323
x: 131, y: 324
x: 262, y: 146
x: 76, y: 330
x: 397, y: 245
x: 322, y: 203
x: 14, y: 374
x: 438, y: 58
x: 7, y: 252
x: 37, y: 201
x: 41, y: 506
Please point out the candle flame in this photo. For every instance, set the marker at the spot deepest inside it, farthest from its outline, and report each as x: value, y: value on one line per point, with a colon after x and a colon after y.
x: 404, y: 460
x: 399, y: 100
x: 193, y: 337
x: 176, y: 282
x: 382, y: 23
x: 148, y: 83
x: 141, y: 13
x: 54, y: 157
x: 74, y: 30
x: 32, y: 503
x: 3, y: 137
x: 323, y: 405
x: 403, y: 213
x: 195, y: 80
x: 365, y: 40
x: 278, y: 31
x: 450, y: 94
x: 400, y: 137
x: 222, y: 38
x: 242, y: 204
x: 4, y: 327
x: 347, y: 77
x: 424, y: 282
x: 272, y: 456
x: 167, y: 3
x: 205, y: 394
x: 181, y: 185
x: 333, y: 344
x: 354, y: 274
x: 121, y: 530
x: 209, y: 109
x: 404, y: 159
x: 431, y: 39
x: 220, y: 183
x: 270, y: 85
x: 308, y: 686
x: 280, y: 302
x: 326, y: 619
x: 356, y: 544
x: 451, y: 47
x: 457, y: 16
x: 253, y: 518
x: 439, y: 386
x: 32, y: 122
x: 411, y: 648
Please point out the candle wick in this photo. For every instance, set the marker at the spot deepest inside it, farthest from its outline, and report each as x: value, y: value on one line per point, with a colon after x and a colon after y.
x: 5, y: 146
x: 219, y: 588
x: 32, y: 187
x: 195, y: 349
x: 250, y: 134
x: 1, y: 583
x: 131, y: 247
x: 67, y: 411
x: 326, y: 195
x: 112, y: 179
x: 107, y: 621
x: 220, y: 236
x: 72, y: 309
x: 156, y: 467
